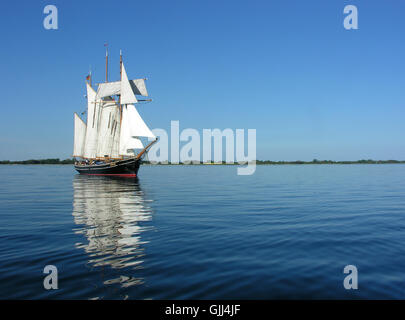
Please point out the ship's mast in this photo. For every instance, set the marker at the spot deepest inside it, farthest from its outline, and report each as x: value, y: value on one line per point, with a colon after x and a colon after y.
x: 119, y: 98
x: 120, y: 73
x: 106, y: 62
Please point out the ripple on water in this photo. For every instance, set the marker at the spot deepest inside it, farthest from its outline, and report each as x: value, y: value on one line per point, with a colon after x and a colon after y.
x: 202, y: 232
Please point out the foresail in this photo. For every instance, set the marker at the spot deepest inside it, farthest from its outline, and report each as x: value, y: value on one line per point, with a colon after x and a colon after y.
x: 129, y: 145
x: 125, y: 133
x: 80, y: 134
x: 132, y: 128
x: 137, y: 125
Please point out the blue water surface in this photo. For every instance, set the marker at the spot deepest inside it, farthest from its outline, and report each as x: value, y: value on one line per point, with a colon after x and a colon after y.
x: 203, y: 232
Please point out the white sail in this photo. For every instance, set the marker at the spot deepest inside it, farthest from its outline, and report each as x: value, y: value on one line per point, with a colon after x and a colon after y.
x: 125, y: 134
x: 132, y: 128
x: 129, y: 145
x: 80, y: 135
x: 137, y: 125
x: 135, y: 143
x: 116, y: 136
x: 108, y: 124
x: 112, y: 130
x: 90, y: 145
x: 108, y: 89
x: 139, y: 87
x: 127, y: 94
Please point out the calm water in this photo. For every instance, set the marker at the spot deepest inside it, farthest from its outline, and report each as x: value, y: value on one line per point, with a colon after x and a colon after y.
x: 203, y: 232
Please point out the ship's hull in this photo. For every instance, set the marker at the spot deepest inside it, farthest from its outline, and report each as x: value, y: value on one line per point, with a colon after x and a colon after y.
x: 121, y: 168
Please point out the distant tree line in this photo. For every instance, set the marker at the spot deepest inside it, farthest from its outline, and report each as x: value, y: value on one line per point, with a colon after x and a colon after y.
x: 41, y: 161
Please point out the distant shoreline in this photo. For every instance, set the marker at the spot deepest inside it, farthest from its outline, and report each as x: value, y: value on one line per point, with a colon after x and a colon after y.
x: 258, y: 162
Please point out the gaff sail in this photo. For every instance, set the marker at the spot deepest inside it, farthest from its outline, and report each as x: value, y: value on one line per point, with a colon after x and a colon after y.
x: 80, y: 135
x: 108, y: 129
x: 93, y: 113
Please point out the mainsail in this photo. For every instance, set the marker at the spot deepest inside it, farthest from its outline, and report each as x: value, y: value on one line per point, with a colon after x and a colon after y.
x: 109, y: 124
x: 93, y: 108
x: 112, y: 129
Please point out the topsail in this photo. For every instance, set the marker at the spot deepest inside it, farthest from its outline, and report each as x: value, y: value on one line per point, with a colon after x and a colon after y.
x: 108, y: 89
x: 127, y: 94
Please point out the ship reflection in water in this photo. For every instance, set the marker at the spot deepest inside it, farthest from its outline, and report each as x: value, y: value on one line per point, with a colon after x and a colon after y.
x: 111, y: 213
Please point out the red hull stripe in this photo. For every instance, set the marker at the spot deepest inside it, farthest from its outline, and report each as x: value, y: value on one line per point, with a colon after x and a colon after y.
x: 128, y: 175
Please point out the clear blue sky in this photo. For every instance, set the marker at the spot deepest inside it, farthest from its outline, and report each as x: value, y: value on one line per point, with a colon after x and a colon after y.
x: 286, y: 68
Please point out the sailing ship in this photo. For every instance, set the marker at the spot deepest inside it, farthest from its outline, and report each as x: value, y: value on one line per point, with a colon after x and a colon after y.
x: 106, y: 143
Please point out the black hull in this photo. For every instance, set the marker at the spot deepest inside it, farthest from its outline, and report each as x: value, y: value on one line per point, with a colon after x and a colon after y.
x: 123, y: 168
